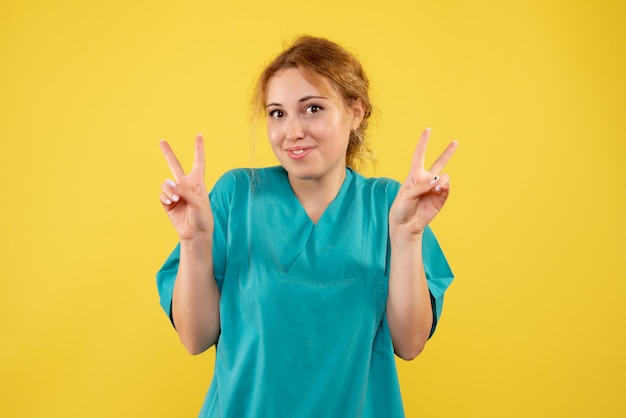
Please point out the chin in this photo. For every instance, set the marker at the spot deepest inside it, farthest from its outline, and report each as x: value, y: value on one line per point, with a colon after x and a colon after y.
x: 299, y: 170
x: 303, y: 174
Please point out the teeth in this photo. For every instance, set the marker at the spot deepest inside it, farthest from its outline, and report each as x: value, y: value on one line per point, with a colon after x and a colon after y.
x: 298, y: 151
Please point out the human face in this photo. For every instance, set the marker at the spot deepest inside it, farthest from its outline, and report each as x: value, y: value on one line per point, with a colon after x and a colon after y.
x: 308, y: 129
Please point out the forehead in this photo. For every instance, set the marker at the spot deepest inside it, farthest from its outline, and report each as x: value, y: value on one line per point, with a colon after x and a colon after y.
x: 292, y: 83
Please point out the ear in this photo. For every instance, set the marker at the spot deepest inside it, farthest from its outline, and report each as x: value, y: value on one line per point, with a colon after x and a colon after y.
x: 358, y: 112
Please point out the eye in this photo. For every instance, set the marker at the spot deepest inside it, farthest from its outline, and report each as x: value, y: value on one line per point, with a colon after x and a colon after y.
x: 313, y: 108
x: 276, y: 114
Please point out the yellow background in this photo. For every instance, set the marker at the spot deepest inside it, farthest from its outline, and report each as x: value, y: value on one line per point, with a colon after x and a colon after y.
x: 535, y: 92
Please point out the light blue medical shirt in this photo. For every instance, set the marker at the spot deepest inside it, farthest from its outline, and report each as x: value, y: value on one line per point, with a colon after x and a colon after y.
x: 302, y: 308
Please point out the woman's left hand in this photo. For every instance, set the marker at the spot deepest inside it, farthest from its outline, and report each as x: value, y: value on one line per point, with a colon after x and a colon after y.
x: 423, y: 193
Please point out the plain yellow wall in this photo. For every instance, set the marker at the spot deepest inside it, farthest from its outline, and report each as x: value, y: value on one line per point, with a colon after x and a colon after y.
x: 534, y: 91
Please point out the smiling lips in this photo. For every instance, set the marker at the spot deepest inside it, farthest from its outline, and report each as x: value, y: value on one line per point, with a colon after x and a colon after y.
x: 299, y: 152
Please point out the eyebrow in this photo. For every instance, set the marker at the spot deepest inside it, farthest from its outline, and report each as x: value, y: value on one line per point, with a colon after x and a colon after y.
x: 304, y: 99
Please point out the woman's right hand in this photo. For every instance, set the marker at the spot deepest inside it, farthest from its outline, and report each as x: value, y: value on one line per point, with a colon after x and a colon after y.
x: 185, y: 198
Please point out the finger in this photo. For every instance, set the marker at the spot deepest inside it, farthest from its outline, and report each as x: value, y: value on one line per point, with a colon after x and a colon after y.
x: 172, y: 161
x: 443, y: 189
x: 166, y: 201
x: 168, y: 187
x: 412, y: 191
x: 199, y: 160
x: 442, y: 183
x: 443, y: 159
x: 419, y: 155
x: 437, y: 184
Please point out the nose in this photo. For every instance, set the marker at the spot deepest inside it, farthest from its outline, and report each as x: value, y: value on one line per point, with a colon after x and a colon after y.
x: 294, y: 129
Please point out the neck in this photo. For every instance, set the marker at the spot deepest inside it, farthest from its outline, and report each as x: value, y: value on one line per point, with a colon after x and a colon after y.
x: 316, y: 194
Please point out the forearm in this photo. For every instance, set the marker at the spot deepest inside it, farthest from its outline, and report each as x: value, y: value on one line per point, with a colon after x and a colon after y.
x: 195, y: 302
x: 409, y: 311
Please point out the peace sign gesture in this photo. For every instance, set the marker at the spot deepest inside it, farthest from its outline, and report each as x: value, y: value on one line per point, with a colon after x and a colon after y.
x: 423, y: 193
x: 185, y: 200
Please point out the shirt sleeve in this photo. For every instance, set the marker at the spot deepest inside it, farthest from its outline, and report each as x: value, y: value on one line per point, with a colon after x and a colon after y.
x: 438, y: 273
x: 220, y: 198
x: 166, y: 277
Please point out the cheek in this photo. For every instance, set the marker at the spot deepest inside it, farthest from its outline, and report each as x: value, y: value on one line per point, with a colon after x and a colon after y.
x: 333, y: 129
x: 273, y: 134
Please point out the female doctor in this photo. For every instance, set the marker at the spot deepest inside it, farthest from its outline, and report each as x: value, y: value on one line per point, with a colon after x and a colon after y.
x: 306, y: 276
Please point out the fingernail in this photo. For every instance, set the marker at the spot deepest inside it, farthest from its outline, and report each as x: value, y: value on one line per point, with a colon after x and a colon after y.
x: 199, y: 134
x: 168, y: 202
x: 175, y: 198
x: 434, y: 180
x: 438, y: 188
x: 170, y: 183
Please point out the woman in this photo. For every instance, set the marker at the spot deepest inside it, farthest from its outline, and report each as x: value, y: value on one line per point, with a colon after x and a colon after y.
x: 306, y: 276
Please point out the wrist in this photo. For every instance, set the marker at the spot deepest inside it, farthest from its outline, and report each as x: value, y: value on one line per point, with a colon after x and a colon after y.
x: 198, y: 241
x: 401, y: 234
x: 411, y: 243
